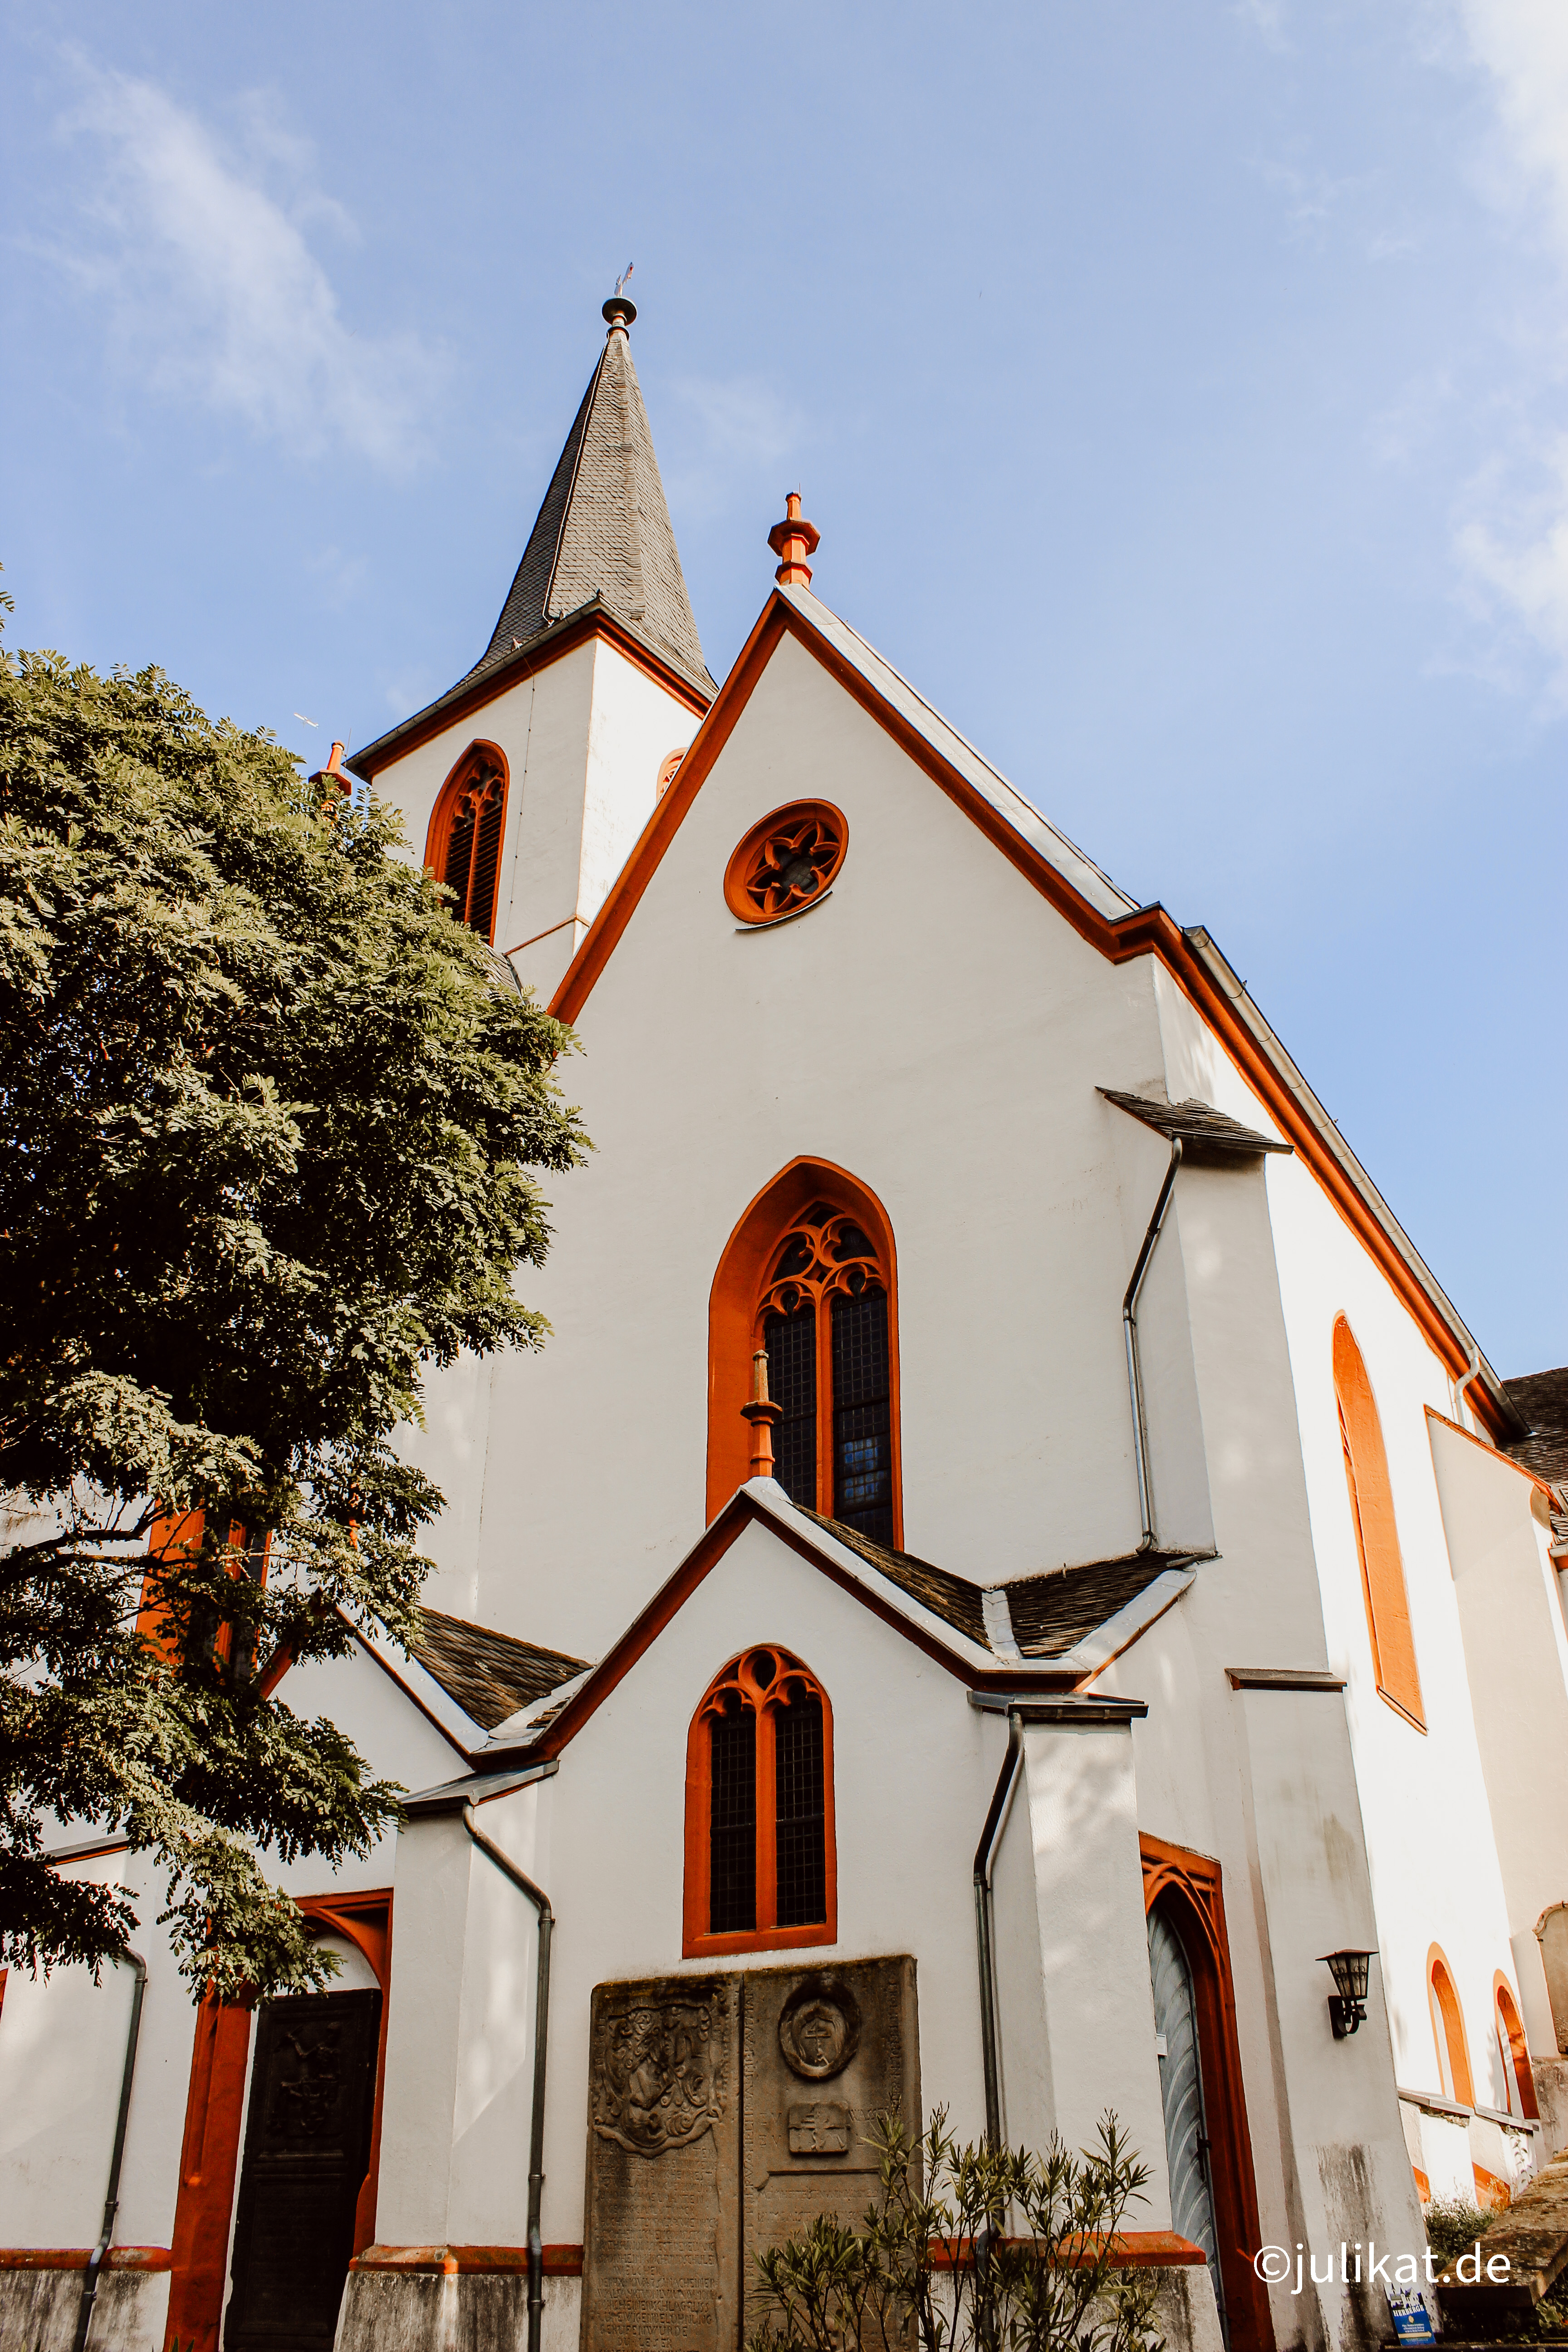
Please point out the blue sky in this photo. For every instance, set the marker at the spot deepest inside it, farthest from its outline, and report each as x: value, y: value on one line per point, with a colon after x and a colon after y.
x: 1180, y: 392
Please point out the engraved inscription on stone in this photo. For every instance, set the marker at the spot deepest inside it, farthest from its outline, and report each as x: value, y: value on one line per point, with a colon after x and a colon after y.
x: 821, y: 2128
x: 661, y: 2251
x: 853, y: 2030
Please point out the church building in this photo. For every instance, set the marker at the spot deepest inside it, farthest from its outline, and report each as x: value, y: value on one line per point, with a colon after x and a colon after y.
x: 1011, y: 1586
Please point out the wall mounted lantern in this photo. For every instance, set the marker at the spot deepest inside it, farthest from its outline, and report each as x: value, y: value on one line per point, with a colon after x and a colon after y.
x: 1347, y: 2002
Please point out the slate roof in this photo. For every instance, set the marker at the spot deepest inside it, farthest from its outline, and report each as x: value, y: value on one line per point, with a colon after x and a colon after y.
x: 1050, y: 1612
x: 1203, y: 1130
x: 605, y: 530
x: 490, y: 1675
x: 1543, y: 1399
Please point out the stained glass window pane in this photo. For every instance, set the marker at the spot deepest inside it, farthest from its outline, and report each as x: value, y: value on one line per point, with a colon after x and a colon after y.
x: 732, y: 1828
x: 802, y: 1846
x: 791, y: 1342
x: 862, y: 1415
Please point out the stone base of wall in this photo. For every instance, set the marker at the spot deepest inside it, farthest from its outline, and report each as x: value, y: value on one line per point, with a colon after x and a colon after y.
x: 38, y: 2309
x: 1550, y: 2076
x: 405, y: 2310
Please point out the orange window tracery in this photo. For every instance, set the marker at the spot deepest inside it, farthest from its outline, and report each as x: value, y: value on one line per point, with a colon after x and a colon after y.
x: 809, y: 1277
x: 788, y: 859
x: 1376, y: 1533
x: 1448, y: 2030
x: 760, y: 1856
x: 467, y: 828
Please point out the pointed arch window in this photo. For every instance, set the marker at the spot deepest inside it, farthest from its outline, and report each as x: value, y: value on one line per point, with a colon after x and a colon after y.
x: 809, y: 1277
x: 466, y: 828
x: 1519, y: 2079
x: 1377, y: 1534
x: 761, y: 1870
x: 1448, y: 2030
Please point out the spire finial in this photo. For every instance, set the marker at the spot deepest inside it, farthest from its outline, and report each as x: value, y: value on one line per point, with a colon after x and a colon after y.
x: 792, y: 542
x: 620, y: 310
x: 761, y: 1412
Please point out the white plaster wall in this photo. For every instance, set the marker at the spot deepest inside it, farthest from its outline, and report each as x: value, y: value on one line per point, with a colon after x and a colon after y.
x: 62, y: 2055
x: 914, y: 1768
x: 1089, y: 1890
x: 585, y: 739
x: 1509, y: 1611
x: 937, y: 1029
x: 1424, y: 1800
x: 62, y: 2038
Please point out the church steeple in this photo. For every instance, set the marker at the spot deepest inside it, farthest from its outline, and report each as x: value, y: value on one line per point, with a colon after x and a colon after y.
x: 604, y: 530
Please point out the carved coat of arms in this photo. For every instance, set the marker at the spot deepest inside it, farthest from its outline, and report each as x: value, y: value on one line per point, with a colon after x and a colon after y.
x: 660, y: 2074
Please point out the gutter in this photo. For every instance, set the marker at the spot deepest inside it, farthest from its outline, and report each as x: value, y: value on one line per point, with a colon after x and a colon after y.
x: 1146, y: 1541
x: 985, y: 1925
x: 111, y: 2201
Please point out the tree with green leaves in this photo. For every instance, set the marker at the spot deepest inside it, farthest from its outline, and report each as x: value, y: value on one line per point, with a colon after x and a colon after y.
x: 970, y: 2248
x: 275, y: 1125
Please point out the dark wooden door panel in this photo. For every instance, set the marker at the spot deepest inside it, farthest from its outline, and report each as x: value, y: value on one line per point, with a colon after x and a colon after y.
x: 307, y: 2141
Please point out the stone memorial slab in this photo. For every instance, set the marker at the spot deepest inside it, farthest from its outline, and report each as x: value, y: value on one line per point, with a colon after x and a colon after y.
x: 662, y: 2237
x: 825, y: 2050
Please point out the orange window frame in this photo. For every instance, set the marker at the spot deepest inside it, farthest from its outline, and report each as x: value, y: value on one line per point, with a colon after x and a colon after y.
x: 440, y: 833
x: 737, y: 1310
x: 1448, y: 2028
x: 697, y: 1939
x: 1383, y: 1588
x: 1513, y: 2048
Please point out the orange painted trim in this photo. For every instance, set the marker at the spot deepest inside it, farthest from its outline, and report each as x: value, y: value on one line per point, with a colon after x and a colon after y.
x: 1193, y: 1886
x: 705, y: 1556
x: 739, y: 1282
x: 1147, y: 931
x: 1130, y: 2250
x: 568, y: 636
x: 745, y: 858
x: 560, y: 2261
x: 1423, y: 2185
x: 209, y: 2162
x: 1445, y: 2008
x: 698, y: 1941
x: 1384, y: 1589
x: 365, y: 1920
x: 1512, y: 2047
x: 439, y: 831
x: 77, y: 2258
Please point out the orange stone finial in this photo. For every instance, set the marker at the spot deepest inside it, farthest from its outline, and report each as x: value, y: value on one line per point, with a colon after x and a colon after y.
x: 761, y: 1412
x: 333, y: 774
x: 792, y: 542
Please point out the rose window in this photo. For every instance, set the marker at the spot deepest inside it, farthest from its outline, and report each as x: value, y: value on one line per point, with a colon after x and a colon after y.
x: 786, y: 862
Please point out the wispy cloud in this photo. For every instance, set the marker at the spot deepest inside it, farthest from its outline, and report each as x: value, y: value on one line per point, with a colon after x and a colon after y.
x: 1511, y: 534
x: 733, y: 427
x: 198, y: 247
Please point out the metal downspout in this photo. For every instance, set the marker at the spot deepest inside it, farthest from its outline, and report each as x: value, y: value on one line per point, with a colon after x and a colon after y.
x: 985, y: 1931
x: 541, y: 1901
x: 1146, y: 1541
x: 1473, y: 1373
x: 111, y: 2201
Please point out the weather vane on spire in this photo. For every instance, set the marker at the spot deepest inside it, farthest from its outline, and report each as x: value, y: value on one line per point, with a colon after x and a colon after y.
x: 620, y: 310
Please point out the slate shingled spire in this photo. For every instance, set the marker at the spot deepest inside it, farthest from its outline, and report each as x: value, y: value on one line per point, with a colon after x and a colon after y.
x: 603, y: 529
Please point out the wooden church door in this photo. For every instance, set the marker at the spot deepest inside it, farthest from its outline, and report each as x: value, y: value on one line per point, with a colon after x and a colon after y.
x: 307, y: 2143
x: 1182, y: 2095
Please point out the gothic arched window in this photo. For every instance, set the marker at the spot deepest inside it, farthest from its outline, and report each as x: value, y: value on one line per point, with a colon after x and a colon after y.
x: 760, y: 1856
x: 464, y: 846
x: 1448, y: 2030
x: 1376, y: 1535
x: 808, y: 1277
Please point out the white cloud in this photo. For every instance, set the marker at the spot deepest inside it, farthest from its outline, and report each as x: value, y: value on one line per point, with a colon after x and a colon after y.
x: 214, y: 292
x: 1513, y: 534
